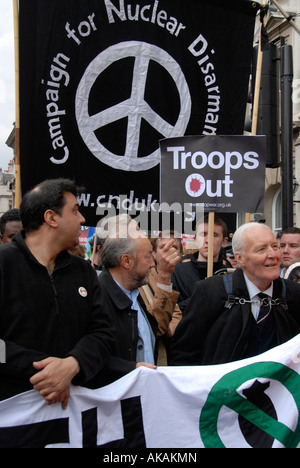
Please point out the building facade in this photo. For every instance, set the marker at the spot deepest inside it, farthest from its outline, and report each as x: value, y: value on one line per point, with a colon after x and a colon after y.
x: 7, y: 178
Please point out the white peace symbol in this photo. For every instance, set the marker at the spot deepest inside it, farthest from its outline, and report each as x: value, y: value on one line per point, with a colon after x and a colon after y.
x: 135, y: 108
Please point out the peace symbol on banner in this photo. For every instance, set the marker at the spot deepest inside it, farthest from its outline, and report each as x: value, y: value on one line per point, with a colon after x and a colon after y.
x: 224, y: 393
x: 135, y: 108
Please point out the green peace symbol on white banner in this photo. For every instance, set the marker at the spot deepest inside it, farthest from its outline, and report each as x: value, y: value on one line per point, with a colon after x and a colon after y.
x: 224, y: 393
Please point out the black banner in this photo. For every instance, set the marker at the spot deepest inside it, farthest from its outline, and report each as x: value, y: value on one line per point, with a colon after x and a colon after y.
x: 102, y: 81
x: 224, y: 173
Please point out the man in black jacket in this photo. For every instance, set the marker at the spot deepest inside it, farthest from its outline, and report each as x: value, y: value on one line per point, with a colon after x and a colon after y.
x: 51, y: 321
x: 126, y: 264
x: 186, y: 275
x: 223, y: 325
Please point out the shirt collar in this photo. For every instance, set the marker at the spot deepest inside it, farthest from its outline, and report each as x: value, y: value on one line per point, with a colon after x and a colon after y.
x: 131, y: 294
x: 254, y: 291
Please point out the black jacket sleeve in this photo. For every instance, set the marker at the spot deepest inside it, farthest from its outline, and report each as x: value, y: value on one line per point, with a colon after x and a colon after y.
x: 93, y: 350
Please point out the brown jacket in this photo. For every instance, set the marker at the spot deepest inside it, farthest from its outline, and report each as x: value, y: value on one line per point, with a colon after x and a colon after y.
x: 162, y: 305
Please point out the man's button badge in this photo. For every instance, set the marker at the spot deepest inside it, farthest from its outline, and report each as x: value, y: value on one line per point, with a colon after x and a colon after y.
x: 82, y: 292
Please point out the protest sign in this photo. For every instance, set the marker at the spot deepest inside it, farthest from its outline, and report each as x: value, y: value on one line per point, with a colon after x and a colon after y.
x: 225, y: 173
x: 102, y: 81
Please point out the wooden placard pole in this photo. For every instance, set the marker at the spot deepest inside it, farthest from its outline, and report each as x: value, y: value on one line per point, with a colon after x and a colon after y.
x: 287, y: 16
x: 211, y: 228
x: 17, y: 107
x: 94, y: 248
x: 210, y: 259
x: 257, y: 92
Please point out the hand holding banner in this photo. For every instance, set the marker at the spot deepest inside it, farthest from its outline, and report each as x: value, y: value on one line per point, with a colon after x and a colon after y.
x: 195, y: 407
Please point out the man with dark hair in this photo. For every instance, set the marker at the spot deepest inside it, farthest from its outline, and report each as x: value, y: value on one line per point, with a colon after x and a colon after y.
x: 186, y: 275
x: 290, y: 248
x: 10, y: 224
x: 49, y: 195
x: 51, y: 320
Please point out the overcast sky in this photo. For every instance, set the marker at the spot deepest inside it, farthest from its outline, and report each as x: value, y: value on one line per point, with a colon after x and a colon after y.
x: 7, y: 80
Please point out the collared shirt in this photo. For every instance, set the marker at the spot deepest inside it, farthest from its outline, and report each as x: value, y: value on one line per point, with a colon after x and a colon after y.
x: 146, y: 341
x: 253, y: 294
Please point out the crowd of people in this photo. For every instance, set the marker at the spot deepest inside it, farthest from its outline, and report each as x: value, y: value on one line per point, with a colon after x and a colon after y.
x: 138, y: 302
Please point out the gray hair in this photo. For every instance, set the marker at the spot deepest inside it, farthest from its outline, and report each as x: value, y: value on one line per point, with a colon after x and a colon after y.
x: 238, y: 244
x: 113, y: 250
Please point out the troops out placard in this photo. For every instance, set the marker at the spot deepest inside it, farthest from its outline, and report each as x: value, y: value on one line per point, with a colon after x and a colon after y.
x: 225, y: 173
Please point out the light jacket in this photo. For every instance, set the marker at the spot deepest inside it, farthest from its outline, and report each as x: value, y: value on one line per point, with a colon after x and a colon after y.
x: 161, y: 304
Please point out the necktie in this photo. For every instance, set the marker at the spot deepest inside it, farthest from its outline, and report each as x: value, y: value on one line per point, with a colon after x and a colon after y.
x: 265, y: 308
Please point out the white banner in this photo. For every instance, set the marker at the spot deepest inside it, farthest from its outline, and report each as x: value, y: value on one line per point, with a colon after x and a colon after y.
x: 250, y: 403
